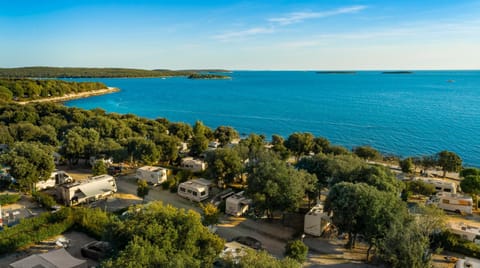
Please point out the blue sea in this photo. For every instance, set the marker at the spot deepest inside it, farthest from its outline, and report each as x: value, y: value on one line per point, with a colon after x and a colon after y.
x: 400, y: 114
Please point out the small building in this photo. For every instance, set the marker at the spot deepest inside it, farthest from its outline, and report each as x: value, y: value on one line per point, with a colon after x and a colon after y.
x: 316, y: 221
x: 58, y: 258
x: 195, y: 190
x: 237, y: 204
x: 467, y: 232
x: 90, y: 190
x: 194, y: 165
x: 151, y: 174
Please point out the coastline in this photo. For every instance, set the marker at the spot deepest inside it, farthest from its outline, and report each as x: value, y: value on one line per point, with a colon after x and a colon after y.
x: 74, y: 96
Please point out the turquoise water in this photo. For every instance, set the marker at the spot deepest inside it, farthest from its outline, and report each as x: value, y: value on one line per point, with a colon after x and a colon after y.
x: 401, y: 114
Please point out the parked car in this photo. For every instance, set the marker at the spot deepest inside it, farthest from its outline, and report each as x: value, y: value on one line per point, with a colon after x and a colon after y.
x: 96, y: 250
x: 249, y: 242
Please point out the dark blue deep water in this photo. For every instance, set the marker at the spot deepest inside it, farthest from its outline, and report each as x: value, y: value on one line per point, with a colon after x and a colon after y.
x: 401, y: 114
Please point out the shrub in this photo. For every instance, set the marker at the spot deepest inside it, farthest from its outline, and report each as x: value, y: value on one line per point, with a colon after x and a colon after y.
x: 9, y: 199
x: 44, y: 199
x: 296, y: 250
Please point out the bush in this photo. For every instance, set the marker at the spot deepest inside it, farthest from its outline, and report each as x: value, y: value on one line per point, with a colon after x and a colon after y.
x: 452, y: 242
x: 44, y: 199
x: 296, y: 250
x: 9, y: 199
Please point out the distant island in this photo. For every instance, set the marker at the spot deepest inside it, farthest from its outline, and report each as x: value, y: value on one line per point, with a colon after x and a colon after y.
x: 207, y: 76
x: 336, y: 72
x: 397, y: 72
x: 63, y: 72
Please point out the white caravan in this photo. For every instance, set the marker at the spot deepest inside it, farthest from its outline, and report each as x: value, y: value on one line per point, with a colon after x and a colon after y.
x: 195, y: 190
x: 316, y: 221
x: 237, y: 204
x: 90, y: 190
x: 452, y: 202
x: 153, y: 175
x: 467, y: 232
x: 440, y: 185
x: 194, y: 165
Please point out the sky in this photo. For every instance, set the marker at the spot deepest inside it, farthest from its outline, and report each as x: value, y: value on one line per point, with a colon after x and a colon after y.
x: 242, y: 35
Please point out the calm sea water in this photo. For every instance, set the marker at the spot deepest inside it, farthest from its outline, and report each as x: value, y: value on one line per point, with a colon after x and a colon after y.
x: 401, y: 114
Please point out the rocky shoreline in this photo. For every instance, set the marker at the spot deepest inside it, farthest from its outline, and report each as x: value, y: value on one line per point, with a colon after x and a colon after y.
x: 74, y: 96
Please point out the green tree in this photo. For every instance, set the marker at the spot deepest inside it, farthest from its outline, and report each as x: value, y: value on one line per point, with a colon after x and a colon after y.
x: 278, y: 146
x: 99, y: 168
x: 275, y: 186
x: 420, y: 187
x: 142, y: 189
x: 224, y: 135
x: 449, y: 161
x: 367, y: 152
x: 5, y: 94
x: 29, y: 163
x: 300, y: 143
x: 224, y: 165
x: 210, y: 213
x: 407, y: 165
x: 296, y: 250
x: 253, y: 258
x: 469, y: 171
x: 471, y: 185
x: 320, y: 145
x: 162, y: 236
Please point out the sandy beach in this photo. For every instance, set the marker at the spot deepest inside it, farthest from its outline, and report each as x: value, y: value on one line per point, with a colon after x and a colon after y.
x: 74, y: 95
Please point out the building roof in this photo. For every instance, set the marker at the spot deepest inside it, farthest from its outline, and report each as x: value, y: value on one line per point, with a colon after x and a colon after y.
x: 58, y: 258
x: 151, y: 168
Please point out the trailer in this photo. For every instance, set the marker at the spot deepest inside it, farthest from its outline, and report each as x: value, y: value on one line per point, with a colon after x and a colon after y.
x: 316, y: 221
x: 195, y: 190
x: 237, y: 204
x: 452, y: 202
x: 57, y: 177
x: 90, y: 190
x: 153, y: 175
x: 440, y: 185
x: 192, y: 164
x: 467, y: 232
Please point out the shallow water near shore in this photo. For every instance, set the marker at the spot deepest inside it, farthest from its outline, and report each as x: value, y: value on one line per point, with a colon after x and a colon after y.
x: 401, y: 114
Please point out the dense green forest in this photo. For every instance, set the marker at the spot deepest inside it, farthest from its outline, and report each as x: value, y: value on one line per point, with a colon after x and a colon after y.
x: 63, y: 72
x: 29, y: 89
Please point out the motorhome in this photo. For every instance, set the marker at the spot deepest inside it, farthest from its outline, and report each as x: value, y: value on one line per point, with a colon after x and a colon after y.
x: 57, y: 177
x: 90, y: 190
x: 316, y: 221
x: 193, y: 165
x: 195, y: 190
x: 237, y: 204
x: 467, y: 263
x: 465, y: 231
x: 452, y: 202
x: 440, y: 185
x: 153, y: 175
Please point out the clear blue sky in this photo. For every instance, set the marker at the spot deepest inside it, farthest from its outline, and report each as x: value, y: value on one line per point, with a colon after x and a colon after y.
x: 266, y: 35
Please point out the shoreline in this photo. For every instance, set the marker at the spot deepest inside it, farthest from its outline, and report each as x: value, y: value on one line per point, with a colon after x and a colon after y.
x: 74, y: 96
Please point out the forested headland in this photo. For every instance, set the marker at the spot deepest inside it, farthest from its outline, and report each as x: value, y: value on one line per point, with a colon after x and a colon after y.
x: 63, y: 72
x: 22, y: 89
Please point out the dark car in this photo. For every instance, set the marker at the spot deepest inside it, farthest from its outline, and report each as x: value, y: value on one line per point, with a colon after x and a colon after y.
x: 115, y: 170
x: 96, y: 250
x: 249, y: 242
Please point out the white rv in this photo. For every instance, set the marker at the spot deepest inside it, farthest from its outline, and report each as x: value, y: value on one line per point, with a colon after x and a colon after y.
x: 440, y: 185
x: 452, y: 202
x: 90, y: 190
x: 194, y: 165
x: 316, y: 221
x: 467, y: 263
x: 57, y: 177
x: 237, y: 204
x: 195, y: 190
x: 467, y: 232
x: 153, y: 175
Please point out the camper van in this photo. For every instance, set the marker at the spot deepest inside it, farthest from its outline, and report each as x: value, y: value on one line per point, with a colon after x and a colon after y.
x: 90, y: 190
x: 57, y: 177
x: 195, y: 190
x: 193, y: 165
x: 316, y: 221
x: 467, y: 232
x: 153, y: 175
x: 237, y: 204
x: 452, y: 202
x: 440, y: 185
